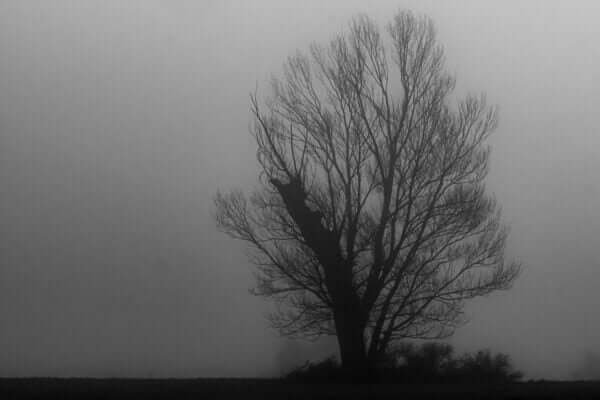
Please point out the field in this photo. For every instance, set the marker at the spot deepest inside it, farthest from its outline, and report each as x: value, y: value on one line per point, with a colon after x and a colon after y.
x: 43, y: 388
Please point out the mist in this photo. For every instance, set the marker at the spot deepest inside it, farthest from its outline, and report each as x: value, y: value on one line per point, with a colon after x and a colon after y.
x: 120, y: 120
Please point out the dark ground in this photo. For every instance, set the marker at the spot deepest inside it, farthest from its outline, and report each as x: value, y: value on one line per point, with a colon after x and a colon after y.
x: 44, y: 388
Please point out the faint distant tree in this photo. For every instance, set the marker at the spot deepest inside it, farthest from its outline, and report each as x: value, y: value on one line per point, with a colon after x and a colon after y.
x: 589, y: 368
x: 483, y: 366
x: 371, y: 222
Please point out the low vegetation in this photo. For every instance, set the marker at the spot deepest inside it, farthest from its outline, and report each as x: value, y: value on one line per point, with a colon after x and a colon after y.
x: 427, y: 363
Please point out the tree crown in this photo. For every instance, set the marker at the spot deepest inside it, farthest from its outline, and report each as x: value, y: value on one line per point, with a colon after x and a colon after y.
x: 372, y: 189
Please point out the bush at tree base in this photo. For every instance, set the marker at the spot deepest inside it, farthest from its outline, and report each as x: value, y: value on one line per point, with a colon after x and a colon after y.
x: 408, y: 363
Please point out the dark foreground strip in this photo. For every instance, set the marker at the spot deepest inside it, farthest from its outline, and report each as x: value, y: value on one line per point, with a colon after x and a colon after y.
x: 246, y: 389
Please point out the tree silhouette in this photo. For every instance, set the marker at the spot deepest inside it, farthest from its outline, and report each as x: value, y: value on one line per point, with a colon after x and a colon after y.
x: 371, y: 222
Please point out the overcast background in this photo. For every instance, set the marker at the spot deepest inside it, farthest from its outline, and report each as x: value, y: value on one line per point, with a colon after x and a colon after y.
x: 120, y: 119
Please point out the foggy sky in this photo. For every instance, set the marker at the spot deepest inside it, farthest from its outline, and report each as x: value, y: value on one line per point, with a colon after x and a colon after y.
x: 120, y: 120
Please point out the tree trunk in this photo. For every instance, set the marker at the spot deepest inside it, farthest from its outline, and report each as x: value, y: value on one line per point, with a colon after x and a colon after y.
x: 350, y: 336
x: 348, y: 312
x: 350, y: 328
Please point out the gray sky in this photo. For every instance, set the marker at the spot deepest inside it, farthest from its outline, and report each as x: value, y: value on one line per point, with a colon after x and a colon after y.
x: 119, y: 121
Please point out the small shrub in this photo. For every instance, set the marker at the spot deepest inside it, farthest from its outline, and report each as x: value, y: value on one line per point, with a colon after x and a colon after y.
x: 426, y: 363
x: 327, y: 370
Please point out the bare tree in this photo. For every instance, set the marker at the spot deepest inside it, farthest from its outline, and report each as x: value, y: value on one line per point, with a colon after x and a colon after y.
x: 371, y: 222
